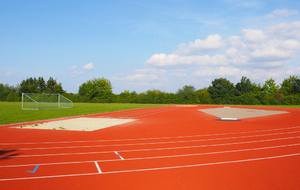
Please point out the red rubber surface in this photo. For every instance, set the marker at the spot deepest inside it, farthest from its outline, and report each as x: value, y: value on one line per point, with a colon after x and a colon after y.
x: 165, y: 148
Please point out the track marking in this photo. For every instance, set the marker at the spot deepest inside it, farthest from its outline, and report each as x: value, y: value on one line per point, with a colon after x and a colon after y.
x: 119, y: 155
x: 168, y: 142
x: 156, y: 169
x: 98, y: 168
x: 159, y: 157
x: 167, y: 148
x: 33, y: 170
x: 154, y: 138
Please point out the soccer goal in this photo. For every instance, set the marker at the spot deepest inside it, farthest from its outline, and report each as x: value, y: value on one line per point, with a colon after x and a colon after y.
x: 35, y: 101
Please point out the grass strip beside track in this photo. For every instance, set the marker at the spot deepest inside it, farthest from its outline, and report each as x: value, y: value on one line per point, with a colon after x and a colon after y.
x: 13, y: 113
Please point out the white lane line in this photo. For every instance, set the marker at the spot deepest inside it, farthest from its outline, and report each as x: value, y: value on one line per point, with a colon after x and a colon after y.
x: 98, y: 168
x: 119, y: 155
x: 156, y: 169
x: 154, y: 149
x: 159, y: 157
x: 155, y: 138
x: 168, y: 142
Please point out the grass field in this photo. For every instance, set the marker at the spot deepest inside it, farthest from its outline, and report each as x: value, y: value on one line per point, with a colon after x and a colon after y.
x: 13, y: 113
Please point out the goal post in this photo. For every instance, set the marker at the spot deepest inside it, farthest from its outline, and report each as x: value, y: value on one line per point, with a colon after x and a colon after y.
x: 35, y: 101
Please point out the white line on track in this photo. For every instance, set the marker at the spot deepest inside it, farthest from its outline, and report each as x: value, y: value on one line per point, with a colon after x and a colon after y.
x: 155, y: 138
x: 160, y: 157
x: 98, y: 168
x: 168, y: 142
x: 156, y: 169
x: 154, y: 149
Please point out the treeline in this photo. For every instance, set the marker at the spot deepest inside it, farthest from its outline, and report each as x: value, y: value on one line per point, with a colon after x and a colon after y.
x: 221, y: 91
x: 30, y: 85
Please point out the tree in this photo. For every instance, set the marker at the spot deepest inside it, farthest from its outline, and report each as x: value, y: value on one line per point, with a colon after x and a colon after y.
x: 290, y: 85
x: 187, y: 95
x: 41, y: 85
x: 29, y: 85
x: 51, y: 84
x: 244, y: 86
x: 100, y: 89
x: 222, y: 91
x: 203, y: 96
x: 270, y: 87
x: 58, y: 89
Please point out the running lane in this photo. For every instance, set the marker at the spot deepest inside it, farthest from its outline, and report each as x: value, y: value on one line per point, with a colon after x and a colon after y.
x: 165, y: 148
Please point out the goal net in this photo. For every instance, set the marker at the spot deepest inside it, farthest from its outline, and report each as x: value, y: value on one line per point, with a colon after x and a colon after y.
x: 34, y: 101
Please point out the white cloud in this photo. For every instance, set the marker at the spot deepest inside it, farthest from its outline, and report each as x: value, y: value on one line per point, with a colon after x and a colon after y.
x: 253, y: 48
x: 89, y: 66
x: 75, y: 73
x: 282, y: 13
x: 147, y: 74
x: 162, y: 60
x: 254, y: 36
x: 8, y: 74
x: 179, y: 72
x: 78, y: 73
x: 260, y: 74
x: 256, y: 54
x: 221, y: 71
x: 285, y: 30
x: 257, y: 49
x: 210, y: 44
x: 74, y: 67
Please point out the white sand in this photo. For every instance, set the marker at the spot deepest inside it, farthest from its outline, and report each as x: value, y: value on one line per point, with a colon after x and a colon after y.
x: 79, y: 124
x: 239, y: 113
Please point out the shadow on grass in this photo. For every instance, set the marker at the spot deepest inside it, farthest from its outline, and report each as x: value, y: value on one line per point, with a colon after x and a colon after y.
x: 7, y: 153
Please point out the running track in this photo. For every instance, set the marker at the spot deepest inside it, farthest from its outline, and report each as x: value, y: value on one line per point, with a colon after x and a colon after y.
x: 165, y: 148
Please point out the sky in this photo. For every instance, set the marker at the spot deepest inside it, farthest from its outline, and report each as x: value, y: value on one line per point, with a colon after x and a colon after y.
x: 144, y: 45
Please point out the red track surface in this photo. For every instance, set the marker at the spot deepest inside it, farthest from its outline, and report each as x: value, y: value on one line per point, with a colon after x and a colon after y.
x: 165, y: 148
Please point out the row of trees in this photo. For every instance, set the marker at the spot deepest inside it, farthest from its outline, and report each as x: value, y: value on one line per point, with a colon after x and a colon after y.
x: 221, y: 91
x: 30, y: 85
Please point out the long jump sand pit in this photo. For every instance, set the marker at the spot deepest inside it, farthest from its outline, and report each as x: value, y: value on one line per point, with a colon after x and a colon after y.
x: 79, y: 124
x: 239, y: 113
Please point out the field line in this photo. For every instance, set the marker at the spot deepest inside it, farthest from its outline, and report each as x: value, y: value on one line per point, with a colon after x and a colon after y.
x: 167, y: 142
x: 156, y: 169
x: 155, y: 149
x: 159, y: 157
x: 155, y: 138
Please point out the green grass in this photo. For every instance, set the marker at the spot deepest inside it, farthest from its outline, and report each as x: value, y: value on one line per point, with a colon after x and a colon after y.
x: 13, y: 113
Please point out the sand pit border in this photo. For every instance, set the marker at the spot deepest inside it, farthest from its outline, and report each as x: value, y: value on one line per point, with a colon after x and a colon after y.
x: 78, y: 124
x: 240, y: 113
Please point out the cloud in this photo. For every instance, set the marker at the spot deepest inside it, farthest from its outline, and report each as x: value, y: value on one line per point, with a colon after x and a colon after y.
x: 78, y: 73
x: 8, y: 74
x: 260, y: 50
x: 75, y: 73
x: 257, y: 54
x: 74, y: 67
x: 179, y: 72
x: 253, y: 49
x: 284, y: 30
x: 89, y: 66
x: 211, y: 44
x: 253, y: 36
x: 141, y: 75
x: 221, y: 71
x: 163, y: 60
x: 281, y: 13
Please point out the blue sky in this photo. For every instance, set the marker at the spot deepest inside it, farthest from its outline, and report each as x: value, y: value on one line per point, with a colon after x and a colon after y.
x: 143, y: 45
